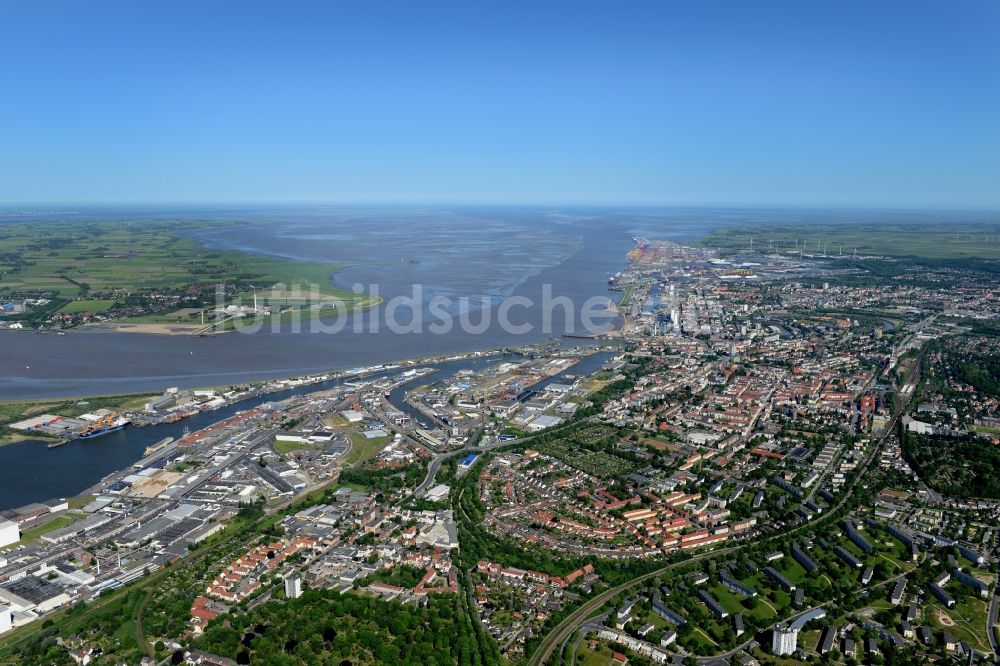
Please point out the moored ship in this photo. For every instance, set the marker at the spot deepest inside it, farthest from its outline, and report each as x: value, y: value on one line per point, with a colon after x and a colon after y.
x: 105, y: 426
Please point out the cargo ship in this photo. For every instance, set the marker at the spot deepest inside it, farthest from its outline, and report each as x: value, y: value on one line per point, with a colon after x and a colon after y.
x: 105, y: 426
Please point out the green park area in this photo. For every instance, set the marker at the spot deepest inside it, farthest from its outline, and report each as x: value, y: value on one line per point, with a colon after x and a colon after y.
x: 966, y: 621
x: 600, y: 656
x: 928, y: 241
x: 590, y: 449
x: 735, y: 603
x: 990, y: 430
x: 401, y: 575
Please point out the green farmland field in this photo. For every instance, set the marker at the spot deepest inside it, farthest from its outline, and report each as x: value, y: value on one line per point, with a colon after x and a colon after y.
x: 87, y: 305
x: 78, y: 259
x: 926, y: 241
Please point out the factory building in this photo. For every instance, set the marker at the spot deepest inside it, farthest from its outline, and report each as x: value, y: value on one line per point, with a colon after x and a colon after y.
x: 9, y: 533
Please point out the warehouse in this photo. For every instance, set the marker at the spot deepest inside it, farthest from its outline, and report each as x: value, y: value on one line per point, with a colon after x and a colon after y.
x: 9, y: 533
x: 34, y: 594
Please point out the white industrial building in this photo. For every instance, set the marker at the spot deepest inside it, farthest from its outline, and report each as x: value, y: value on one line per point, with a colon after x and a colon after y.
x: 9, y: 533
x: 30, y: 596
x: 438, y: 492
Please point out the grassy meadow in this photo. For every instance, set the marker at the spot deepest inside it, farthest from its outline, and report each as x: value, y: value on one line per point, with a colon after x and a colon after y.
x: 72, y: 259
x: 926, y: 241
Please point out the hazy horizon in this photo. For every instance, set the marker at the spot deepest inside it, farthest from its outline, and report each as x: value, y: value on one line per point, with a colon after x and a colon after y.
x: 38, y: 207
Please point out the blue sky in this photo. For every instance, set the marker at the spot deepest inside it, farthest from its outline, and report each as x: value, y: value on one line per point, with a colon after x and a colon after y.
x: 841, y: 103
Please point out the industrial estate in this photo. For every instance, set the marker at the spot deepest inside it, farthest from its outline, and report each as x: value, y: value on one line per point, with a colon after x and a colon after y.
x: 784, y: 454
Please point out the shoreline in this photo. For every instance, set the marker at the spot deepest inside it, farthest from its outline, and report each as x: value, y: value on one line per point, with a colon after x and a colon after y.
x: 414, y: 360
x: 143, y: 329
x: 17, y: 437
x: 400, y: 365
x: 44, y: 378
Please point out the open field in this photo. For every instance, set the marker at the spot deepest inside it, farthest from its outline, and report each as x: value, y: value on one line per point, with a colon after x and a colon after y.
x: 288, y: 447
x: 363, y: 448
x: 89, y: 265
x: 734, y: 604
x: 54, y: 524
x: 335, y: 421
x: 601, y: 657
x: 87, y: 305
x: 991, y: 430
x: 80, y: 501
x: 928, y: 241
x: 130, y: 325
